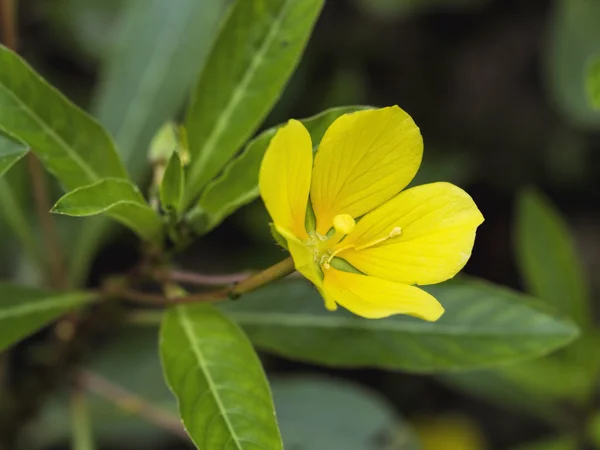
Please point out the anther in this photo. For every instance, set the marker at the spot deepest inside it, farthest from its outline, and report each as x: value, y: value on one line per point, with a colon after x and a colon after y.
x: 343, y: 224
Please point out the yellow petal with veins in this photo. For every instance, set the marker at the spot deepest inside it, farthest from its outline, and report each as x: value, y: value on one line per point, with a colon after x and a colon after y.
x: 437, y: 222
x: 364, y: 159
x: 375, y: 298
x: 284, y: 178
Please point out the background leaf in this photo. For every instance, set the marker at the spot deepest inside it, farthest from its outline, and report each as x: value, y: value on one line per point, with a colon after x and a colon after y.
x: 71, y: 145
x: 24, y: 310
x: 484, y: 325
x: 11, y: 151
x: 593, y: 81
x: 548, y: 259
x: 211, y: 367
x: 320, y: 413
x: 159, y: 50
x: 238, y: 184
x: 119, y: 199
x: 257, y: 49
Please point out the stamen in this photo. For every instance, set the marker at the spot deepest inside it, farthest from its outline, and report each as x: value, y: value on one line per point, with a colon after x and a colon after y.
x: 396, y: 231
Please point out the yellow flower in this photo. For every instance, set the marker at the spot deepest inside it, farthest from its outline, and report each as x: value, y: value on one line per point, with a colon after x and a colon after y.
x: 362, y: 242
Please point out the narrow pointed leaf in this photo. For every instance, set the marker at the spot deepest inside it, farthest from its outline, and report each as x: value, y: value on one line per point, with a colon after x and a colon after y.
x: 211, y: 367
x: 484, y: 325
x: 548, y: 259
x: 159, y: 49
x: 238, y: 184
x: 116, y: 198
x: 171, y: 186
x: 72, y: 145
x: 257, y: 49
x: 24, y: 310
x: 11, y: 150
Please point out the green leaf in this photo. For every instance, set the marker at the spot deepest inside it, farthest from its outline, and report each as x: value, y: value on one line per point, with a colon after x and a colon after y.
x: 171, y: 186
x: 484, y: 325
x: 574, y: 39
x: 257, y: 49
x: 593, y: 81
x: 320, y: 413
x: 556, y: 443
x: 547, y: 257
x: 11, y: 151
x: 24, y: 310
x: 160, y: 48
x: 224, y: 398
x: 71, y: 145
x: 238, y: 184
x: 119, y: 199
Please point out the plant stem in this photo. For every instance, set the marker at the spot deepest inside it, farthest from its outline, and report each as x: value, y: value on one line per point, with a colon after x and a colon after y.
x: 9, y: 27
x: 82, y: 432
x: 273, y: 273
x: 200, y: 279
x: 130, y: 402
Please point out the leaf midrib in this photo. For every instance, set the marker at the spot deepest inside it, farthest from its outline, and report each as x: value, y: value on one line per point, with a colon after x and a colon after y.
x: 311, y: 321
x: 189, y: 333
x: 62, y: 143
x: 207, y: 149
x: 35, y: 307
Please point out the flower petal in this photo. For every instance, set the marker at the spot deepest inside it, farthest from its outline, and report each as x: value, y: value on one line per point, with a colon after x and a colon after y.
x: 437, y: 229
x: 364, y: 159
x: 375, y: 298
x: 284, y: 178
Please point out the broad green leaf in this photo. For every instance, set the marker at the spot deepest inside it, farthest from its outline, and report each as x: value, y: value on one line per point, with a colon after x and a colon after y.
x: 25, y: 310
x: 257, y: 49
x: 238, y: 184
x: 11, y: 150
x: 71, y: 145
x: 593, y: 81
x: 119, y: 199
x: 319, y: 413
x: 484, y: 325
x: 160, y: 48
x: 547, y: 257
x: 574, y: 39
x: 171, y: 186
x: 211, y: 367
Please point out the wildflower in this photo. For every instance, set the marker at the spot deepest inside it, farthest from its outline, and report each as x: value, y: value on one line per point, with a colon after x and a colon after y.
x: 349, y: 228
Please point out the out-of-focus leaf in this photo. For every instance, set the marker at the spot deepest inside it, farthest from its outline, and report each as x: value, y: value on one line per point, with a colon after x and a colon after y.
x: 593, y: 428
x: 238, y: 184
x: 449, y: 432
x: 319, y: 413
x: 118, y: 199
x: 393, y: 9
x: 171, y: 186
x: 24, y: 310
x: 71, y: 145
x: 574, y: 39
x: 548, y: 259
x: 484, y: 325
x: 257, y: 49
x: 211, y: 367
x: 11, y: 150
x: 556, y: 443
x: 159, y: 50
x: 593, y: 81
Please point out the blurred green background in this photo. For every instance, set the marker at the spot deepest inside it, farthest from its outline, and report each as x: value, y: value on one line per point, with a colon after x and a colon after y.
x: 498, y: 90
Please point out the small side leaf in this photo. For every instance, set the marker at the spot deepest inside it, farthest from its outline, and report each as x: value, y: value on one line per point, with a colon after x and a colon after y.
x: 171, y: 186
x: 119, y: 199
x: 238, y: 184
x: 211, y: 367
x: 548, y: 258
x: 24, y: 310
x: 257, y: 49
x: 72, y: 145
x: 484, y: 325
x: 11, y: 150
